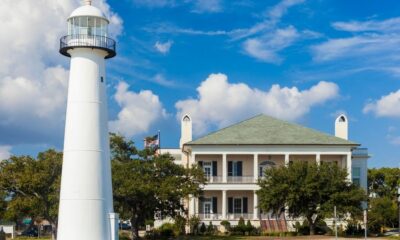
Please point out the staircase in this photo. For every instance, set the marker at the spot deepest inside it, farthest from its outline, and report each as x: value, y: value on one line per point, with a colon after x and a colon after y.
x: 277, y: 224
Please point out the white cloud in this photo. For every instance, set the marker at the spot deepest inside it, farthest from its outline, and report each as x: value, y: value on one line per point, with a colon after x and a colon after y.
x: 387, y: 25
x: 220, y: 102
x: 5, y: 152
x: 138, y: 111
x: 163, y: 47
x: 276, y: 12
x: 266, y: 48
x: 207, y: 6
x: 32, y: 80
x: 263, y: 40
x: 160, y: 79
x: 371, y: 41
x: 386, y: 106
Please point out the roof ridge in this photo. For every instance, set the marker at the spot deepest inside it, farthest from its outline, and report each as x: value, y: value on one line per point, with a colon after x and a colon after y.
x: 231, y: 125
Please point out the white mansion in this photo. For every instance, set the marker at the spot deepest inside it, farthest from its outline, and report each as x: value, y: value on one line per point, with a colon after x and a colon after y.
x: 233, y: 158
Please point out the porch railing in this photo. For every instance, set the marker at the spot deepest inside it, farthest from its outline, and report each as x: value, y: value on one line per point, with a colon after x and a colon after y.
x: 229, y: 216
x: 237, y: 216
x: 210, y: 216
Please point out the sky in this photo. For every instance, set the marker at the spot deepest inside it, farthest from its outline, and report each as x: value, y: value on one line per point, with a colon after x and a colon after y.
x: 304, y: 61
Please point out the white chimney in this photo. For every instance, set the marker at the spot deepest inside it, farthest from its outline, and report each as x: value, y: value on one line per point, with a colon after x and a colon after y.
x: 186, y: 130
x: 341, y: 127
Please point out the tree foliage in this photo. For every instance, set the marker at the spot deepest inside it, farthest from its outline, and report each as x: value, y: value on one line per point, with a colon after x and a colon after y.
x: 383, y: 182
x: 383, y: 209
x: 383, y: 213
x: 145, y: 183
x: 310, y: 191
x: 32, y: 186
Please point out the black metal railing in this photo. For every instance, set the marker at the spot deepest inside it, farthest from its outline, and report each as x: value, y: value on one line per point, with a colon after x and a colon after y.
x: 87, y: 41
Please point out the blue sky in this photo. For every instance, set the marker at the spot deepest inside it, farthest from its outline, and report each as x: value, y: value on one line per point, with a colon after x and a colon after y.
x: 222, y: 61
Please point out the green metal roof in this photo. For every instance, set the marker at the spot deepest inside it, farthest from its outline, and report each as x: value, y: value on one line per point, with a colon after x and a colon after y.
x: 265, y: 130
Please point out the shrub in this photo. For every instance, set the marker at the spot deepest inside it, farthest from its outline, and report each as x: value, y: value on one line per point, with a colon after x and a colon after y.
x: 203, y: 228
x: 194, y: 222
x: 226, y: 224
x: 179, y: 226
x: 354, y: 229
x: 210, y: 229
x: 124, y: 236
x: 167, y: 230
x: 249, y: 227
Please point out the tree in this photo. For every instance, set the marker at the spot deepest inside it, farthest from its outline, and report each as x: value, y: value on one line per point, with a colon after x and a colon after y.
x: 33, y: 186
x: 383, y: 182
x: 383, y: 213
x: 145, y: 183
x: 309, y: 191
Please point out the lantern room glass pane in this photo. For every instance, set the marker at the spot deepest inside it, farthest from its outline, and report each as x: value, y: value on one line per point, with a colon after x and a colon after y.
x: 87, y: 26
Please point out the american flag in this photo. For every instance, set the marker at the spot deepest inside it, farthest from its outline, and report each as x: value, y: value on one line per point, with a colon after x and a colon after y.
x: 152, y: 142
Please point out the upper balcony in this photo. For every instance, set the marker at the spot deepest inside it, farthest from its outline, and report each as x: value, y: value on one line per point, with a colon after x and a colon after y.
x: 245, y: 169
x: 88, y: 41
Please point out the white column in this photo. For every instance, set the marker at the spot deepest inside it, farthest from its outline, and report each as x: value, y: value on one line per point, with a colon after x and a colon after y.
x: 193, y: 160
x: 255, y: 166
x: 223, y: 204
x: 191, y: 206
x: 224, y: 168
x: 114, y: 221
x: 287, y: 159
x: 318, y: 159
x: 348, y: 166
x: 255, y: 206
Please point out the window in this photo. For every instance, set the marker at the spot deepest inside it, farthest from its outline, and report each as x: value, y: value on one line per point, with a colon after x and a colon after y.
x: 186, y: 118
x: 356, y: 175
x: 237, y: 205
x: 235, y: 168
x: 101, y: 79
x: 342, y: 119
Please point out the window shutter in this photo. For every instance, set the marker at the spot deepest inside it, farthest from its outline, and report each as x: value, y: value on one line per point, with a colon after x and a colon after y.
x: 230, y: 169
x: 214, y: 167
x: 230, y: 205
x: 239, y: 168
x: 214, y: 205
x: 201, y: 164
x: 244, y: 204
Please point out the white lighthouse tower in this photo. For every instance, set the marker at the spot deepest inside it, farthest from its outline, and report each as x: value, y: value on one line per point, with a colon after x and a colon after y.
x: 86, y: 205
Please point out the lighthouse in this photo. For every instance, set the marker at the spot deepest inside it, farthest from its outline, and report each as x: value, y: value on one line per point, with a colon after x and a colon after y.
x: 86, y: 206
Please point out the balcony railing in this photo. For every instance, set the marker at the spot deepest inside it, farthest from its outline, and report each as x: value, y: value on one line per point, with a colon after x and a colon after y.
x: 87, y: 41
x: 234, y: 179
x: 240, y: 179
x: 214, y: 179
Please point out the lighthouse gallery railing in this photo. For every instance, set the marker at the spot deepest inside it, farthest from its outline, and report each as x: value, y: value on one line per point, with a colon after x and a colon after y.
x: 87, y: 41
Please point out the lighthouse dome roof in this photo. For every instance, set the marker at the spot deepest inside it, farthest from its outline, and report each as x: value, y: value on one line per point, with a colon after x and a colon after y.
x: 88, y: 10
